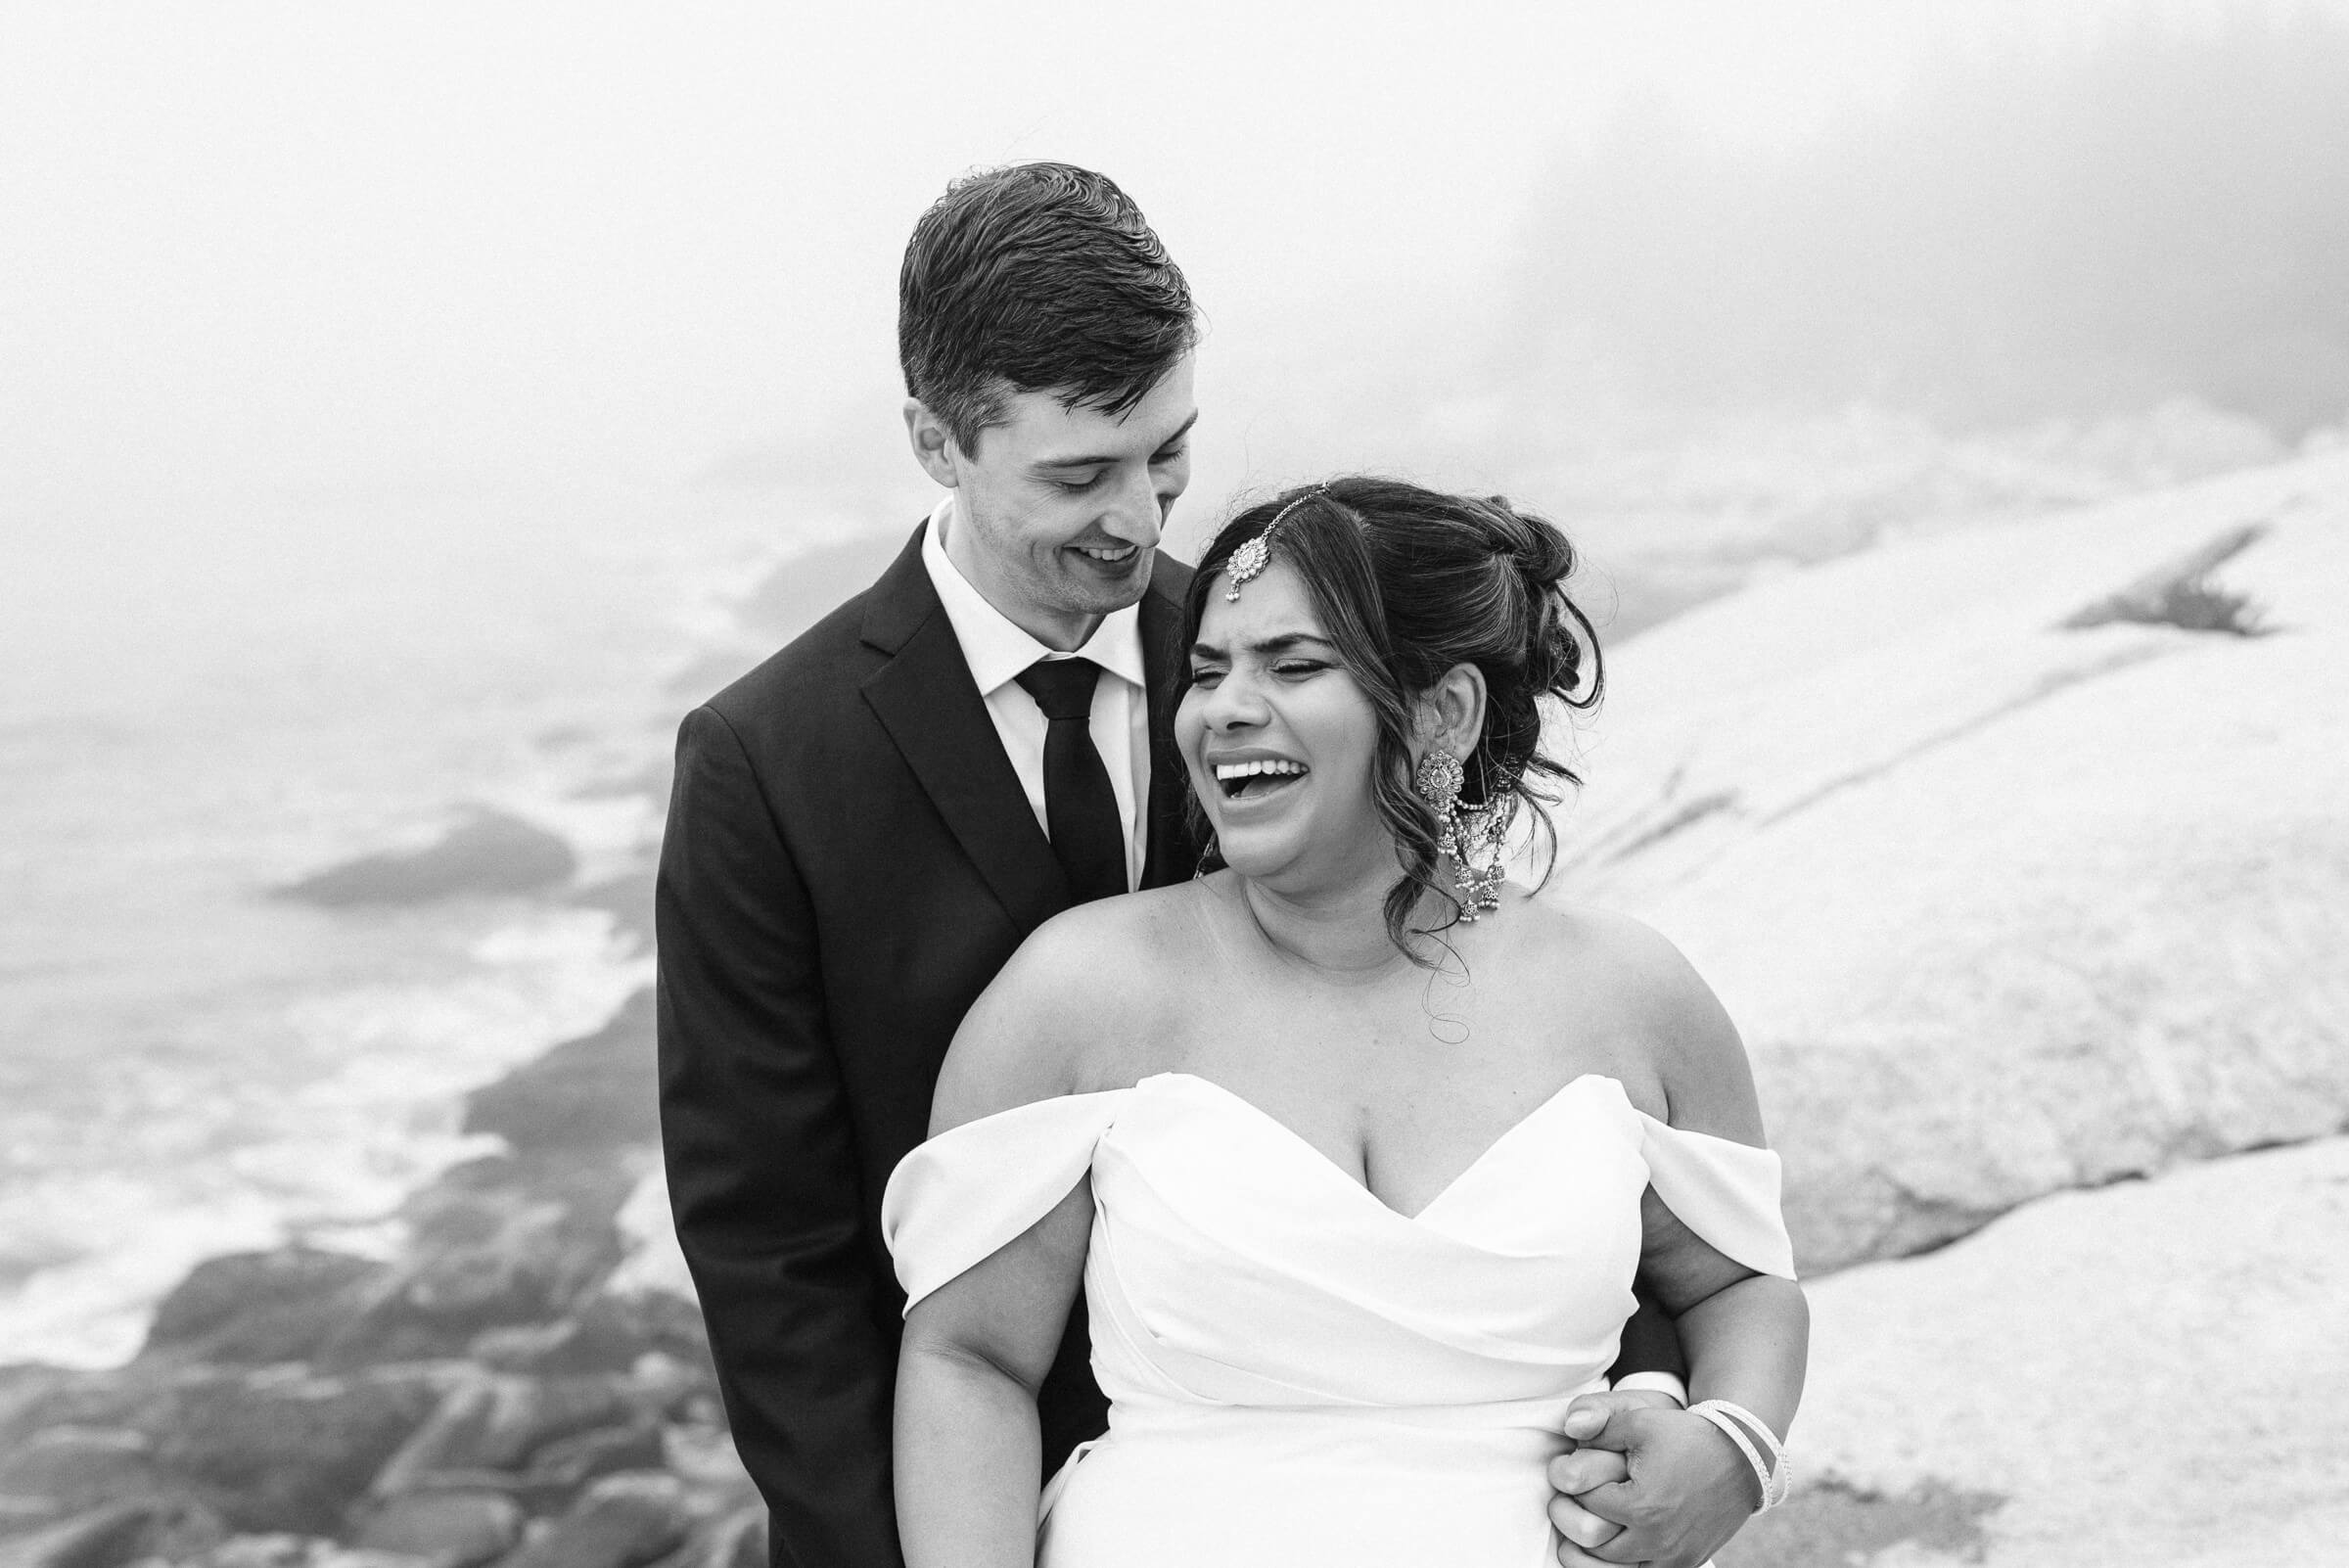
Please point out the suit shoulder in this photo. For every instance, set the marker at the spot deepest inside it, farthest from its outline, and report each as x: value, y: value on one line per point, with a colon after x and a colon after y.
x: 816, y: 669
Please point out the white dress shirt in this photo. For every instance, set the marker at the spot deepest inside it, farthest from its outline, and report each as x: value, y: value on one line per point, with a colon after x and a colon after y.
x: 997, y: 651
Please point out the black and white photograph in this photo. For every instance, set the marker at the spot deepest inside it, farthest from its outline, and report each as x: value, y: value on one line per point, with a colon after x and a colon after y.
x: 1254, y: 786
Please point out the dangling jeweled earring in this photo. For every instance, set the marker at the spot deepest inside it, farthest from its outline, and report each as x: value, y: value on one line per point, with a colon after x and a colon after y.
x: 1467, y: 835
x: 1438, y: 781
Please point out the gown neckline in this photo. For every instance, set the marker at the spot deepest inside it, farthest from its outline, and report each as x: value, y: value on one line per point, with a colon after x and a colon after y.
x: 1484, y: 1156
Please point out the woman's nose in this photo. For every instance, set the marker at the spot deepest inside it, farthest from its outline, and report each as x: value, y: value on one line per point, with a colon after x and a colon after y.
x: 1234, y: 702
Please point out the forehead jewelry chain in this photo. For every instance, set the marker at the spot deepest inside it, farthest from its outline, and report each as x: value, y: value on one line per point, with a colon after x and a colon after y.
x: 1249, y: 561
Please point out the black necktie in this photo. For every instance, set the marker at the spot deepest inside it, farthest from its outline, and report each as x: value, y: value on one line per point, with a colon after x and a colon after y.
x: 1081, y: 810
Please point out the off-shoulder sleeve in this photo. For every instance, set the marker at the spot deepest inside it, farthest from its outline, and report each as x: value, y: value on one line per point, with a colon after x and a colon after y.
x: 1725, y: 1191
x: 964, y: 1194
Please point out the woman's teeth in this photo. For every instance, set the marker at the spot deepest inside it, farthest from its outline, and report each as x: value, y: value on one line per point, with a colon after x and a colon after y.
x: 1235, y: 777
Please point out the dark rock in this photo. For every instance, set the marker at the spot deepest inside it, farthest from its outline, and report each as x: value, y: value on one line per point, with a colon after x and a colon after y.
x: 606, y: 1333
x: 70, y: 1467
x: 447, y: 1529
x: 596, y: 1092
x: 570, y: 1463
x: 290, y: 1451
x: 129, y: 1530
x: 493, y: 1242
x: 25, y: 1387
x: 623, y: 1521
x: 735, y: 1540
x: 36, y: 1398
x: 627, y: 898
x: 275, y: 1550
x: 486, y: 853
x: 445, y: 1440
x: 489, y: 1424
x: 739, y: 1540
x: 502, y: 1254
x: 256, y: 1308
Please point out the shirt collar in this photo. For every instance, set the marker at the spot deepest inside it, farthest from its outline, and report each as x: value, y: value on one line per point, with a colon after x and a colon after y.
x: 994, y: 647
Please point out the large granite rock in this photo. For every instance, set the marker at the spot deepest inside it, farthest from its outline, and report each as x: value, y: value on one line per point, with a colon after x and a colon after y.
x: 2019, y: 855
x: 2146, y: 1374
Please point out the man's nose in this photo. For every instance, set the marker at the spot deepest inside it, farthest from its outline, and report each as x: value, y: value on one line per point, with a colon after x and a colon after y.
x: 1133, y: 514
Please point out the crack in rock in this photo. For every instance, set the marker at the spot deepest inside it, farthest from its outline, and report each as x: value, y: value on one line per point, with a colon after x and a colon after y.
x: 2180, y: 593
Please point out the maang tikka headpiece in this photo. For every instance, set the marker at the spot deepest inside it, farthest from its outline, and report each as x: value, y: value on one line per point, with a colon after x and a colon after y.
x: 1248, y: 561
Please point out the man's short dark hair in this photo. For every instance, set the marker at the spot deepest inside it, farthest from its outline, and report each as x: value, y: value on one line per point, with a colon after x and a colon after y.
x: 1039, y: 276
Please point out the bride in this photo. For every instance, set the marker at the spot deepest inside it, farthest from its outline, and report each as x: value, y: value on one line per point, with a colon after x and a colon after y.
x: 1355, y: 1149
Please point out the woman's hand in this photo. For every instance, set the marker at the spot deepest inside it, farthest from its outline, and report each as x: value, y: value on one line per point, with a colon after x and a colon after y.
x: 1646, y: 1483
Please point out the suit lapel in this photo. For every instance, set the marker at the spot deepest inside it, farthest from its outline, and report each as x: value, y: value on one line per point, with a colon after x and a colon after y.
x: 926, y: 700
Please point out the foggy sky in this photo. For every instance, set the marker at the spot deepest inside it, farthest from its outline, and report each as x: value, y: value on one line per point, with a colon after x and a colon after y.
x: 253, y: 252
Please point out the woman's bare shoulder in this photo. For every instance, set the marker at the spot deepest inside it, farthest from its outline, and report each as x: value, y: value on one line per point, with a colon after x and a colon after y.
x: 1079, y: 997
x: 1654, y: 1005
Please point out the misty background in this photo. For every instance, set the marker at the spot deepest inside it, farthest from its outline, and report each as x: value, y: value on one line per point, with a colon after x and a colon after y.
x: 398, y: 404
x: 407, y: 412
x: 426, y: 294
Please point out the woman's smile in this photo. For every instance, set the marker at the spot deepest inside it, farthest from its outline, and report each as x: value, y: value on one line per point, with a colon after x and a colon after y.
x: 1255, y: 778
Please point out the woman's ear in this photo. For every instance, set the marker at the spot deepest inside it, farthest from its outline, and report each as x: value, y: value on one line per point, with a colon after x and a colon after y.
x: 1452, y: 712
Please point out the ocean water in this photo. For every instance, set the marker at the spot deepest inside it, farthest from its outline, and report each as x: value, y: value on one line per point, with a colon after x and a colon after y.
x: 193, y: 716
x: 201, y: 699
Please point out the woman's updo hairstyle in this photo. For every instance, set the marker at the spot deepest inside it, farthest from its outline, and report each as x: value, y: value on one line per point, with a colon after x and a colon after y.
x: 1408, y: 583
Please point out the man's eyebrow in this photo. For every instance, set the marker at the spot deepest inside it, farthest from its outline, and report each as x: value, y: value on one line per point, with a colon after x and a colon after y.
x: 1099, y: 459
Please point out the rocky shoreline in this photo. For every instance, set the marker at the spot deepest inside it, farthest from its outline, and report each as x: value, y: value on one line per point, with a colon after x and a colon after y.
x: 502, y: 1393
x: 486, y: 1397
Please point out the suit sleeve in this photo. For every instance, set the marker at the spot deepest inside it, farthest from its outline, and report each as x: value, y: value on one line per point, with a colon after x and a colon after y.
x: 761, y: 1171
x: 1650, y: 1344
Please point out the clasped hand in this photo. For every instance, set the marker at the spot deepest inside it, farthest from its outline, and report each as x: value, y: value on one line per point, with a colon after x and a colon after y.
x: 1645, y: 1482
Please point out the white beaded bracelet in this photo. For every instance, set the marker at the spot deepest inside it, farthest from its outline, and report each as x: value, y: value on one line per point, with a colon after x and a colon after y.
x: 1735, y: 1420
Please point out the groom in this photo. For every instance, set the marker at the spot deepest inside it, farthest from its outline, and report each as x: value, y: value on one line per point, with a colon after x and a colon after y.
x: 865, y: 827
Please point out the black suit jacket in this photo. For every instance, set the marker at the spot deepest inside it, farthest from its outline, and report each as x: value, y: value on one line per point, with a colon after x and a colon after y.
x: 849, y: 860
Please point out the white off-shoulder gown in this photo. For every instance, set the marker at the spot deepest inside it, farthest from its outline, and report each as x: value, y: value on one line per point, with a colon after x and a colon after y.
x: 1297, y: 1374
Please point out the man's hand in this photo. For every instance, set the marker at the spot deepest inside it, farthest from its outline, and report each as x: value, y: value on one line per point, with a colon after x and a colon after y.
x: 1645, y: 1482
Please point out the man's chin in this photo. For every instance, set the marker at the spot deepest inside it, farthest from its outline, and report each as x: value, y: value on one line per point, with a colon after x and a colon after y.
x: 1105, y: 589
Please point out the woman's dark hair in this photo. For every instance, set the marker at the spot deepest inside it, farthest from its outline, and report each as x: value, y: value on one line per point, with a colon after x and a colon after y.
x: 1408, y: 583
x: 1039, y: 276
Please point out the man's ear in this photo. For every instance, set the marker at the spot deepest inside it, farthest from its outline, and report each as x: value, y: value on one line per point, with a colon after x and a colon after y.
x: 1452, y: 712
x: 933, y: 444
